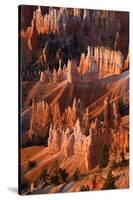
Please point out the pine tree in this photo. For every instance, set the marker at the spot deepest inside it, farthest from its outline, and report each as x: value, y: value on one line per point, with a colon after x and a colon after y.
x: 76, y: 175
x: 31, y: 164
x: 120, y: 105
x: 84, y: 188
x: 104, y: 156
x: 55, y: 179
x: 109, y: 182
x: 44, y: 176
x: 63, y: 174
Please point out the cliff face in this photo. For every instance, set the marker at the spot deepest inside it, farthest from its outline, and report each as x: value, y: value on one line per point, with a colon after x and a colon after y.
x: 69, y: 134
x: 60, y: 33
x: 75, y: 85
x: 115, y: 87
x: 103, y: 61
x: 102, y: 64
x: 40, y: 122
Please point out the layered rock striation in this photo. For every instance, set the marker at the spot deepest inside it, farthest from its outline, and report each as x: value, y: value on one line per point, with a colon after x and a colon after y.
x: 100, y: 64
x: 73, y: 133
x: 61, y: 33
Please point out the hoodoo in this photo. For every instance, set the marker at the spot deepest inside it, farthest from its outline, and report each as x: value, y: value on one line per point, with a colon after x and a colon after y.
x: 74, y: 99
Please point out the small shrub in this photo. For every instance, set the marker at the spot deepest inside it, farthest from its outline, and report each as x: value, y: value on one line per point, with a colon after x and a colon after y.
x: 123, y: 162
x: 76, y: 175
x: 44, y: 176
x: 31, y: 164
x: 84, y: 188
x: 109, y: 182
x: 113, y: 164
x: 24, y: 185
x: 63, y: 174
x: 55, y: 179
x: 122, y: 156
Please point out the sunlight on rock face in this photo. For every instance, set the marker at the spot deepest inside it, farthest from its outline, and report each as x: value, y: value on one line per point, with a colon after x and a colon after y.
x: 75, y: 99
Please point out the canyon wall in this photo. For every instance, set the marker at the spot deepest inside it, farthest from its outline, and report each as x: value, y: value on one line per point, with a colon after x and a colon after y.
x: 61, y: 33
x: 74, y: 134
x: 102, y: 63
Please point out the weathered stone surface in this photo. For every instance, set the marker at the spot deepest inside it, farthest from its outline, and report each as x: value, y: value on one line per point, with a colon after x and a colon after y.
x: 99, y: 62
x: 116, y: 115
x: 74, y: 134
x: 40, y: 120
x: 67, y: 28
x: 54, y: 140
x: 68, y: 144
x: 73, y: 75
x: 126, y: 63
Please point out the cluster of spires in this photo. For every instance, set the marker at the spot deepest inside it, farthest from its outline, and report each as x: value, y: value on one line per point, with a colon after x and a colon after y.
x: 61, y: 20
x: 57, y: 20
x: 99, y: 62
x: 72, y: 131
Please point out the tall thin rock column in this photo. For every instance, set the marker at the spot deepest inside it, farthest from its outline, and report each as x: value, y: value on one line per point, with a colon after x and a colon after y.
x: 106, y: 112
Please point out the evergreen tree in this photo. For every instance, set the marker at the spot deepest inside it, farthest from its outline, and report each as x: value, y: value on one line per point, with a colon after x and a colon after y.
x: 63, y: 174
x: 122, y: 157
x: 109, y: 182
x: 24, y: 185
x: 84, y: 188
x: 44, y: 176
x: 113, y: 164
x: 55, y: 179
x: 104, y: 156
x: 31, y: 164
x: 76, y: 175
x: 120, y: 105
